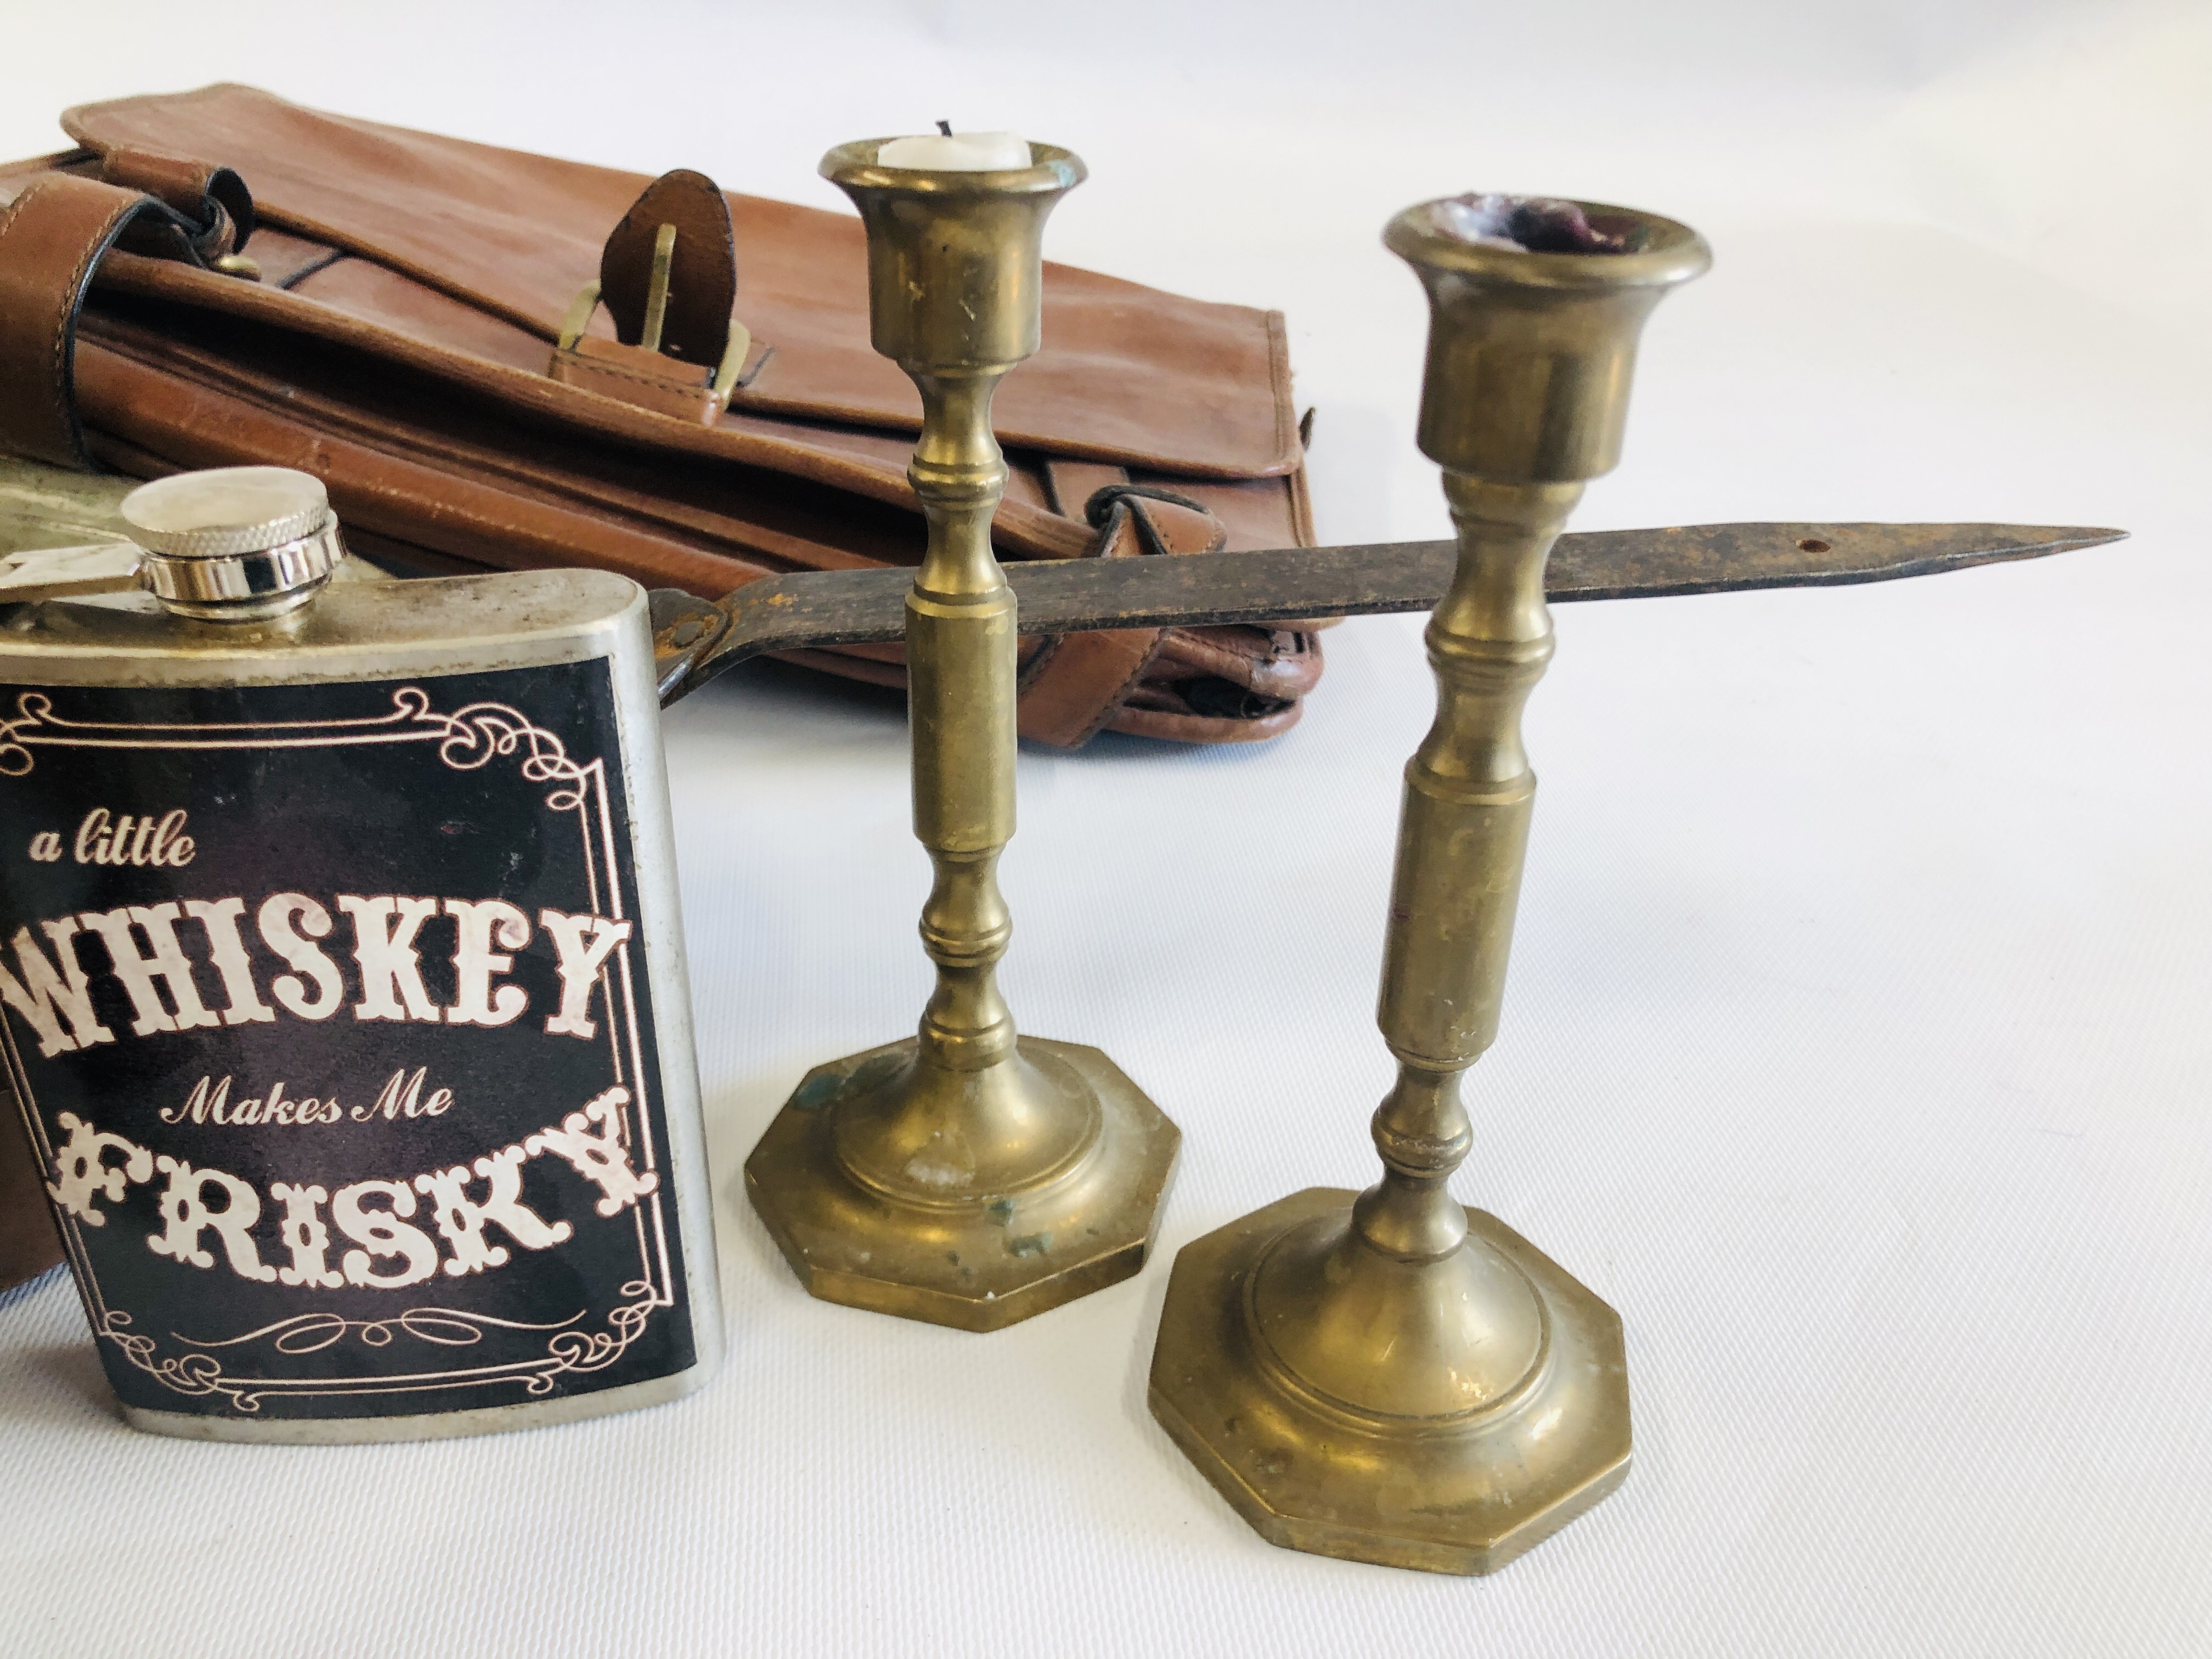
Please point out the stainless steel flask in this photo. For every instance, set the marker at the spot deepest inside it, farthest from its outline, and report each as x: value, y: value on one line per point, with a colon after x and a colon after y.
x: 344, y: 988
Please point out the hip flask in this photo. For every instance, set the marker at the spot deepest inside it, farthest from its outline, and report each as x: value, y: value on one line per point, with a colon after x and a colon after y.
x: 345, y: 1000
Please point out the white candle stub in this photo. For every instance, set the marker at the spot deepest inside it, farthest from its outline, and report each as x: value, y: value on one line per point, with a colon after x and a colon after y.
x: 957, y: 152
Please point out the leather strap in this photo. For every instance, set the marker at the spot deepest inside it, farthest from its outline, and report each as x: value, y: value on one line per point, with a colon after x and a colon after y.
x: 702, y: 288
x: 52, y: 238
x: 1071, y: 483
x: 1076, y: 683
x: 214, y: 201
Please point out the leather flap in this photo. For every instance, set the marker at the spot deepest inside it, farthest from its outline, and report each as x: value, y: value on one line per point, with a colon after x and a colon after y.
x: 1127, y: 373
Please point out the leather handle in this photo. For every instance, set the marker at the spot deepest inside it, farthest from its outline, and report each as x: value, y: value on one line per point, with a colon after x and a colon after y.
x: 52, y: 239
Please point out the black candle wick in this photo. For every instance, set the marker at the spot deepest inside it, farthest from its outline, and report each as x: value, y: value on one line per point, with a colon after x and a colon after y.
x: 945, y: 127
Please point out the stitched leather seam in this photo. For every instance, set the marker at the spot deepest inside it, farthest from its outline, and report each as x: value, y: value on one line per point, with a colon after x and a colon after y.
x: 65, y: 334
x: 71, y: 297
x: 1218, y: 542
x: 1302, y: 523
x: 1148, y: 534
x: 1278, y: 364
x: 25, y: 200
x: 1033, y: 670
x: 1119, y: 508
x: 14, y: 211
x: 1112, y: 706
x: 634, y: 376
x: 1156, y: 541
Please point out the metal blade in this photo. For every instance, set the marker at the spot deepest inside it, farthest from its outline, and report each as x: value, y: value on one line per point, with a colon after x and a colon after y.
x: 1727, y: 558
x: 695, y: 641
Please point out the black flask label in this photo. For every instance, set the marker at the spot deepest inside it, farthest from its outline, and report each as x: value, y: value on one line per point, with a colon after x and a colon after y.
x: 327, y: 1009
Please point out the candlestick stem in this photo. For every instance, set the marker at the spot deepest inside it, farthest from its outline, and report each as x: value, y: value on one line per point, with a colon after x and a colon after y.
x: 960, y: 664
x: 1464, y: 824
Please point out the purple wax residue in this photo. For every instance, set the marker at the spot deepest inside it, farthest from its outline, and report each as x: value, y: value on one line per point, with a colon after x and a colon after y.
x: 1526, y: 224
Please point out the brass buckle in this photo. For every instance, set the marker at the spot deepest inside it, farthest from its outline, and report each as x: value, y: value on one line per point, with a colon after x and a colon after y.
x: 587, y: 302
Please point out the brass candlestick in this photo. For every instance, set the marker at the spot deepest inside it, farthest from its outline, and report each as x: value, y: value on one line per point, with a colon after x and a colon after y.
x: 1394, y: 1378
x: 964, y: 1176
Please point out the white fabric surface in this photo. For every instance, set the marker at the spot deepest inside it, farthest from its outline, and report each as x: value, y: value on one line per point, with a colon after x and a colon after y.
x: 1857, y: 1043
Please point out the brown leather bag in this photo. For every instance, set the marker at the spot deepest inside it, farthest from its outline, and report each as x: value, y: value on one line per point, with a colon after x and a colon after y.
x: 220, y: 276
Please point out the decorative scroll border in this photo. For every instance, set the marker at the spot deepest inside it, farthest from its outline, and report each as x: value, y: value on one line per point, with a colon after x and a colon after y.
x: 467, y: 739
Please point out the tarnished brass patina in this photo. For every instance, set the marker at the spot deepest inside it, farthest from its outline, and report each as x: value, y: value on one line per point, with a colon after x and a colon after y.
x: 1393, y: 1378
x: 965, y: 1176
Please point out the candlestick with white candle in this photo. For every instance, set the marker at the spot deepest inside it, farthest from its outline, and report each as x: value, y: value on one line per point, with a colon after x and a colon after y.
x: 968, y: 1175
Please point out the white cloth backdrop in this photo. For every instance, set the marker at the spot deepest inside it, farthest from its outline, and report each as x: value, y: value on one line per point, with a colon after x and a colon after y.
x: 1856, y: 1044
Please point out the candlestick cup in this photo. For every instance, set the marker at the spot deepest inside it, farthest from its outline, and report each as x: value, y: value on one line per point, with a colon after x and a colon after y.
x: 1393, y: 1377
x: 965, y: 1176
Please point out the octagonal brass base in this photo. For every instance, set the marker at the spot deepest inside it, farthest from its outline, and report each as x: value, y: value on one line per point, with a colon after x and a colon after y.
x: 1464, y: 1492
x: 978, y: 1260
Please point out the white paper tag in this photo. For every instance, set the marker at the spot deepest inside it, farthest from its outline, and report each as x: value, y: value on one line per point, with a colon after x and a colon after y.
x: 55, y: 573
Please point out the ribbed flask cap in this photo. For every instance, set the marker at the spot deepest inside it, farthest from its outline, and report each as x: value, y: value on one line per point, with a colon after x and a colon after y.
x: 226, y: 512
